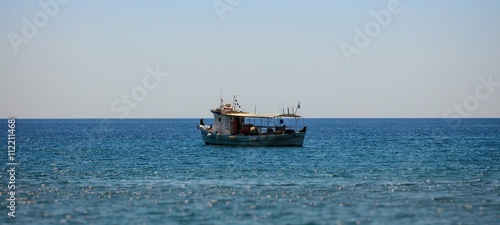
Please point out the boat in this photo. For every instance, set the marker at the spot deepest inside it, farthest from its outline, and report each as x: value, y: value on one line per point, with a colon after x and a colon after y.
x: 233, y: 126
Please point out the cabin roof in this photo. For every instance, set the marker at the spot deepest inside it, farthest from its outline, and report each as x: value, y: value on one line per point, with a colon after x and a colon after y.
x: 263, y: 115
x: 227, y: 111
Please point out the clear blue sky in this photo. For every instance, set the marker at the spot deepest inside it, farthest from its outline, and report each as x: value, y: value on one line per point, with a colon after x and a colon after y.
x: 87, y: 55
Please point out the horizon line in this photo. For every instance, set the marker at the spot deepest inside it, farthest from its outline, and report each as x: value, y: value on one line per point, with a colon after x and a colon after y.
x: 115, y: 118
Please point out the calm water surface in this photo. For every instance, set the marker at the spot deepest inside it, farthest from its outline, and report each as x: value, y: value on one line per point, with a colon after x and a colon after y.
x: 350, y: 171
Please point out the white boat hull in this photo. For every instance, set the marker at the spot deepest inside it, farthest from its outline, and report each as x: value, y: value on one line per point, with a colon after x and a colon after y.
x: 287, y: 139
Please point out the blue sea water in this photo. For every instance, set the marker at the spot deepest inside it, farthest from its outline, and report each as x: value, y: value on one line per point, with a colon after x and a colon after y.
x: 349, y: 171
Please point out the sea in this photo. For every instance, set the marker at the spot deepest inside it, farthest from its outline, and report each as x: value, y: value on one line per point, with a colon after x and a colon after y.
x: 159, y: 171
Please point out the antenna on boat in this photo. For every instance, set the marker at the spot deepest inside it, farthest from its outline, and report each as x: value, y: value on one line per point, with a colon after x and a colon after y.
x: 237, y: 105
x: 298, y: 107
x: 221, y: 100
x: 234, y: 102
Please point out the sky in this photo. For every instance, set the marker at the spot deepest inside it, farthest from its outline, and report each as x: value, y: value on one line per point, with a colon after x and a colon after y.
x: 171, y: 59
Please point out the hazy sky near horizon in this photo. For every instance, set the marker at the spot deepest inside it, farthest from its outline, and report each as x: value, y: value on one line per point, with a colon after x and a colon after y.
x: 169, y: 59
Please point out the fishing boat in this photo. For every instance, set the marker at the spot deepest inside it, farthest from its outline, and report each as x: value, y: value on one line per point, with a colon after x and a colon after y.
x: 233, y: 126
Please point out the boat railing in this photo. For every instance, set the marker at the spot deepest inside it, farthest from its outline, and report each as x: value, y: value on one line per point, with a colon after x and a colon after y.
x: 250, y: 129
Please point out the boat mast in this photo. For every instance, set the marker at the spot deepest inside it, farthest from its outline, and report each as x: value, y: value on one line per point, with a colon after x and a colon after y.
x: 221, y: 101
x: 234, y: 99
x: 298, y: 107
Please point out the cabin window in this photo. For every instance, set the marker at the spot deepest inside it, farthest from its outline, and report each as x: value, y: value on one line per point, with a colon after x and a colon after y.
x: 227, y: 123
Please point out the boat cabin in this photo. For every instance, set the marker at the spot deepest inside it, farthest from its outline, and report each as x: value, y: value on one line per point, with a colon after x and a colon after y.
x: 228, y: 121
